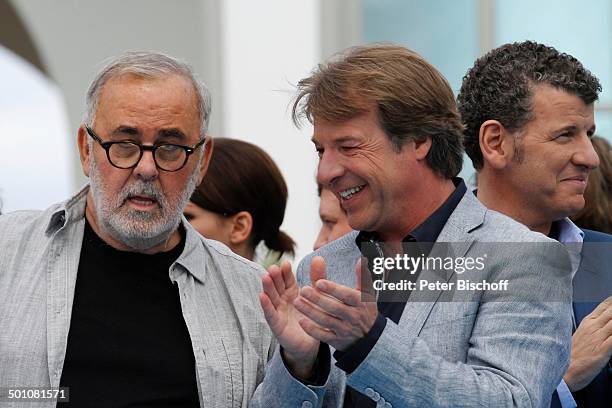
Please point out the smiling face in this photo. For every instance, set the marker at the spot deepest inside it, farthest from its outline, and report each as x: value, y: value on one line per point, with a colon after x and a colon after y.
x: 140, y: 208
x: 371, y: 179
x: 555, y: 154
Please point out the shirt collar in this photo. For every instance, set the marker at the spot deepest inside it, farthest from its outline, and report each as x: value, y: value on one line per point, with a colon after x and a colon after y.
x: 67, y: 212
x: 567, y: 231
x: 193, y: 257
x: 429, y: 229
x: 569, y: 234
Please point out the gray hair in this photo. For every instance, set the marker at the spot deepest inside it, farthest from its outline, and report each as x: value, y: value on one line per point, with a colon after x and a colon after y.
x: 147, y: 65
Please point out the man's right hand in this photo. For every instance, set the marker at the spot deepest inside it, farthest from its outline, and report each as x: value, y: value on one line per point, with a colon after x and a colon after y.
x: 591, y: 347
x: 280, y: 289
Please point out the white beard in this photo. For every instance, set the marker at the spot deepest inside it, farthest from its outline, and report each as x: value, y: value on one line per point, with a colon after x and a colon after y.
x: 140, y: 230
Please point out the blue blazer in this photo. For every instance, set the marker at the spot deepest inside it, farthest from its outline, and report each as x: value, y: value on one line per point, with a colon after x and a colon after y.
x: 592, y: 284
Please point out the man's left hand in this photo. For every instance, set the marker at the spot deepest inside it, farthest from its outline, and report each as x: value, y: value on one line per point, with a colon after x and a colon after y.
x: 336, y: 314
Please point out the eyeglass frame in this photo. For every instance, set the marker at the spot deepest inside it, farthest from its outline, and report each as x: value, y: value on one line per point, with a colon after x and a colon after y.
x: 143, y: 148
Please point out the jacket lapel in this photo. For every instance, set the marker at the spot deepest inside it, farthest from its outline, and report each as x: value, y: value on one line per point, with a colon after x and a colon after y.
x: 454, y: 241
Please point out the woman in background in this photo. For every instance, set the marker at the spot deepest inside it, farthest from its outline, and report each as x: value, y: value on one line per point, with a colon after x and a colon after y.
x: 334, y: 222
x: 597, y: 212
x: 241, y: 201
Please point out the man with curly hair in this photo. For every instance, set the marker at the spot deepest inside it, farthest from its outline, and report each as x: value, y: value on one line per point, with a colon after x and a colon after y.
x: 529, y: 119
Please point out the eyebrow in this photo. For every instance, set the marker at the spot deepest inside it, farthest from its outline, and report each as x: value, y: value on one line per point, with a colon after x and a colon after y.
x: 172, y: 133
x: 163, y: 133
x: 125, y: 130
x: 573, y: 128
x: 341, y: 139
x: 345, y: 139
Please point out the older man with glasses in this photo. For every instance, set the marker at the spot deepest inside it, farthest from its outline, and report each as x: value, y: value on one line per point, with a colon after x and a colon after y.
x: 111, y: 298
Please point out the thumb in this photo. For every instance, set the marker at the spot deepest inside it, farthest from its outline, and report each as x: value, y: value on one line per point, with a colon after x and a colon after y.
x: 317, y: 269
x: 364, y: 281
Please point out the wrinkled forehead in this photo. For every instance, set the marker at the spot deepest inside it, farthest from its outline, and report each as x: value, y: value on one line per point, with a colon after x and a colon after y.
x: 136, y: 101
x: 138, y: 85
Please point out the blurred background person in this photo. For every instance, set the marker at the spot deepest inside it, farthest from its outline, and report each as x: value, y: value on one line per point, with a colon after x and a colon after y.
x: 241, y: 202
x: 597, y: 212
x: 334, y: 223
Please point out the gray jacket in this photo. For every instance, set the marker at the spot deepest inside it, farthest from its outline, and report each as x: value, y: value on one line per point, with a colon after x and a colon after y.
x: 473, y: 349
x: 39, y: 255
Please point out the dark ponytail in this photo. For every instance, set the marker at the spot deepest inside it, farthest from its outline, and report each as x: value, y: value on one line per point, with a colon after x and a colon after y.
x: 243, y: 177
x: 281, y: 243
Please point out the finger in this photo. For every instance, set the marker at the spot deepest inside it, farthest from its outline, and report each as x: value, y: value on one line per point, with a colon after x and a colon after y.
x: 276, y: 275
x: 315, y: 314
x: 270, y: 290
x: 606, y: 330
x: 601, y: 308
x: 364, y: 281
x: 317, y: 332
x: 269, y: 310
x: 317, y: 269
x: 327, y: 304
x: 607, y: 343
x: 287, y: 274
x: 351, y: 297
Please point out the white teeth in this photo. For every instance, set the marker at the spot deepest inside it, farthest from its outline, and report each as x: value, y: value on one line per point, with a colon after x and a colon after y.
x: 348, y: 193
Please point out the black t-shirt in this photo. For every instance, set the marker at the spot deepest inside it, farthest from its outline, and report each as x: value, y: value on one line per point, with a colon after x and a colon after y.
x: 128, y: 344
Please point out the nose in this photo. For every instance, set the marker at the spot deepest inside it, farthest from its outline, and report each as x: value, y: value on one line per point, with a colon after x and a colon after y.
x: 586, y: 155
x: 330, y: 169
x: 146, y: 168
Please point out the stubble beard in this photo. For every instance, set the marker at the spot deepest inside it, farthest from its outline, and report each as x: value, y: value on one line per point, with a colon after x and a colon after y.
x: 139, y: 230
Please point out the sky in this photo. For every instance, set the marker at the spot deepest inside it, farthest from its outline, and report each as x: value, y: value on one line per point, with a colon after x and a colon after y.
x: 34, y: 138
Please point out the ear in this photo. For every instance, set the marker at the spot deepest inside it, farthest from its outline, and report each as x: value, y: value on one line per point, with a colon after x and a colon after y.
x: 84, y: 153
x: 208, y: 149
x: 422, y: 147
x: 496, y: 144
x: 242, y: 224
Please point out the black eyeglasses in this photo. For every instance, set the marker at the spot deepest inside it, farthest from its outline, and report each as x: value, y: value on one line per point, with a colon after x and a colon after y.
x: 126, y: 155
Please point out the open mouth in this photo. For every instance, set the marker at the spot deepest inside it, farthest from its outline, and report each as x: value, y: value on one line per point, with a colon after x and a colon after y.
x: 350, y: 192
x: 142, y: 201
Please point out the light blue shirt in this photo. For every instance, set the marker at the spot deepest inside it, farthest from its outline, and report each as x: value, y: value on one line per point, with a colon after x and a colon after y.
x: 569, y: 233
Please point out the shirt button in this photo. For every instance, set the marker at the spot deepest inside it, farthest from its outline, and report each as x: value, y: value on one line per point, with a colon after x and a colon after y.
x: 369, y: 392
x: 376, y: 397
x: 306, y: 404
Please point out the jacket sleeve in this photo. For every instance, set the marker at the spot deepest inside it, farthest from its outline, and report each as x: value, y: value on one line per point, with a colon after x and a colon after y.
x: 280, y: 389
x: 517, y: 353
